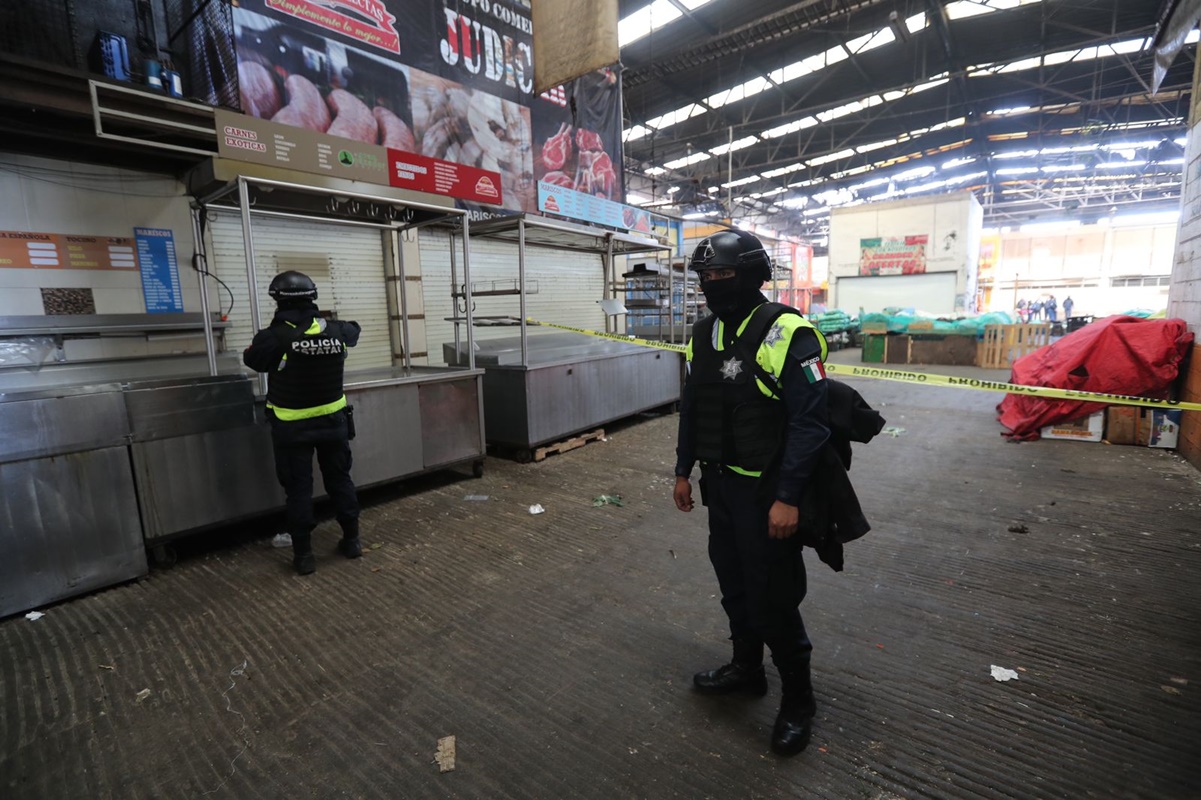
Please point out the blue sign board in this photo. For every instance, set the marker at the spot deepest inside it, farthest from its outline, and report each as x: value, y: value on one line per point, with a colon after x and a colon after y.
x: 554, y: 199
x: 160, y: 271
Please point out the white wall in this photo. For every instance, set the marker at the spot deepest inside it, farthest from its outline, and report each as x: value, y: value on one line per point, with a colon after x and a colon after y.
x: 49, y: 196
x: 1099, y: 266
x: 952, y: 222
x: 1184, y: 298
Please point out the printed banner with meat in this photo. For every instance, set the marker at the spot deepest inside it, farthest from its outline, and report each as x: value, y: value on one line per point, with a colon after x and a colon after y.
x: 446, y: 80
x: 893, y: 255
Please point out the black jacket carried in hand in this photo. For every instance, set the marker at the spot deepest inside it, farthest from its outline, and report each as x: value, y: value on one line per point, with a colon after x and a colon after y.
x: 829, y: 510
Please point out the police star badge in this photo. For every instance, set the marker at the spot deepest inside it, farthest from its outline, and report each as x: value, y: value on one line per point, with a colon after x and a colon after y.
x: 775, y: 334
x: 731, y: 369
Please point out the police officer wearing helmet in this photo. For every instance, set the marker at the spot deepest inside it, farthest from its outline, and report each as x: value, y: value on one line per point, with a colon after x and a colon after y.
x: 753, y: 413
x: 303, y: 355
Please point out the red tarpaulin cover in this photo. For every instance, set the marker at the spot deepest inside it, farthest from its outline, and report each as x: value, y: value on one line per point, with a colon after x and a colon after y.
x: 1118, y: 355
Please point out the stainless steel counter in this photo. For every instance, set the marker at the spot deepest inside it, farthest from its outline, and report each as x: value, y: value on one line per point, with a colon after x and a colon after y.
x: 569, y: 383
x: 67, y: 499
x: 91, y: 475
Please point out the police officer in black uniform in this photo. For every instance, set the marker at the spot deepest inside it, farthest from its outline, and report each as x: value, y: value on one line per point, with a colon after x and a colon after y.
x: 303, y: 355
x: 753, y: 412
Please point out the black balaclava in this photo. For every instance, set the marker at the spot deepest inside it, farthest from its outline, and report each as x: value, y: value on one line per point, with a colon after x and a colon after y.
x: 733, y: 298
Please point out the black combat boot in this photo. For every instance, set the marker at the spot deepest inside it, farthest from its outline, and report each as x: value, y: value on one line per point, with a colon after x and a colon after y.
x: 351, y: 546
x: 745, y: 672
x: 303, y: 560
x: 794, y: 723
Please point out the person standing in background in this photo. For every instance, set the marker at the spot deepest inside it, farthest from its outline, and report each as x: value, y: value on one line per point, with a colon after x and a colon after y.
x: 1067, y: 307
x: 304, y: 355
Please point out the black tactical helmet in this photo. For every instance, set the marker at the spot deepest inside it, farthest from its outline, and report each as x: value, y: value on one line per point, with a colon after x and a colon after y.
x: 292, y: 285
x: 735, y: 249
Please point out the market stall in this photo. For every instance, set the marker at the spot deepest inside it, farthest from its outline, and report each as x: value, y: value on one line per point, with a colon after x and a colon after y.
x: 546, y: 386
x: 119, y: 432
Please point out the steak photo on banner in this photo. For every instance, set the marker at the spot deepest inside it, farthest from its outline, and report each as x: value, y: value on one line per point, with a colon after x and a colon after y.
x: 581, y: 151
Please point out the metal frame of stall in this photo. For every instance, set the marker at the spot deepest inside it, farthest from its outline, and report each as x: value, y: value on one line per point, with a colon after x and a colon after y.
x: 411, y: 419
x: 525, y: 403
x: 246, y: 209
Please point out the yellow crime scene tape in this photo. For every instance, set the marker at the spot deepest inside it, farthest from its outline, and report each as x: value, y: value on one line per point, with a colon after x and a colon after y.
x: 924, y: 378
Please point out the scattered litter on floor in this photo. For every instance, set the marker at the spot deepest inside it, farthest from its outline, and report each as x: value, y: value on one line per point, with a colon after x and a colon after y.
x: 282, y: 540
x: 475, y: 498
x: 1171, y: 690
x: 673, y: 553
x: 1003, y: 674
x: 106, y: 666
x: 1018, y: 529
x: 607, y: 500
x: 445, y: 757
x: 893, y: 431
x: 34, y: 615
x: 375, y: 545
x: 234, y: 674
x: 537, y: 509
x: 1180, y: 681
x: 142, y: 695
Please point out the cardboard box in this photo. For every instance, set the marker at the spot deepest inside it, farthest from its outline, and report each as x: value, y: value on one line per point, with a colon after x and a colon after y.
x: 1085, y: 429
x: 1158, y: 428
x: 1121, y: 424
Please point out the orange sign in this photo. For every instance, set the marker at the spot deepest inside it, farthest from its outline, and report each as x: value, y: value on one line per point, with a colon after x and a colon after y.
x: 28, y: 250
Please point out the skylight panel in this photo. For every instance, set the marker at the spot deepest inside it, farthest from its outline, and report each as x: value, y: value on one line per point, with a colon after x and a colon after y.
x: 634, y: 133
x: 688, y: 160
x: 752, y: 87
x: 775, y: 173
x: 826, y: 159
x: 962, y: 9
x: 791, y: 127
x: 737, y: 144
x: 679, y: 115
x: 867, y: 148
x: 741, y: 181
x: 651, y: 18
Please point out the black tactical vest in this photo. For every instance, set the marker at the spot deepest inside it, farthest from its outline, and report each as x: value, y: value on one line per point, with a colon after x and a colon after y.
x: 310, y: 374
x: 735, y: 424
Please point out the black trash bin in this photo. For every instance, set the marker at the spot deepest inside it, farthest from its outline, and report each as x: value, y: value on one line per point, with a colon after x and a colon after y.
x: 1076, y: 323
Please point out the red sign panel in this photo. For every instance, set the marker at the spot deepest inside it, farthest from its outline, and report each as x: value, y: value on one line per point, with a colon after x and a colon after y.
x: 424, y: 174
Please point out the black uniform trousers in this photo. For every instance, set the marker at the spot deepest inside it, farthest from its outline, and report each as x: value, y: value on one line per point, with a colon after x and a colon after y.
x: 294, y: 443
x: 762, y: 579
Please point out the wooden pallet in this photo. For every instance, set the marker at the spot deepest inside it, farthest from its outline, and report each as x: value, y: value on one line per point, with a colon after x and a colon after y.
x: 1005, y: 344
x: 570, y: 444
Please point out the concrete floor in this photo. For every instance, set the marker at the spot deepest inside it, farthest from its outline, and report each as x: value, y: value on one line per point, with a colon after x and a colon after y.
x: 558, y: 648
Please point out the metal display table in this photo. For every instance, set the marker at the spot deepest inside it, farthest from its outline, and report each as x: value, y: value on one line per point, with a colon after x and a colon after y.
x: 567, y: 383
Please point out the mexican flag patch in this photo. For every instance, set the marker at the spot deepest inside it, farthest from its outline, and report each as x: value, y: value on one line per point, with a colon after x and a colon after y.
x: 813, y: 369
